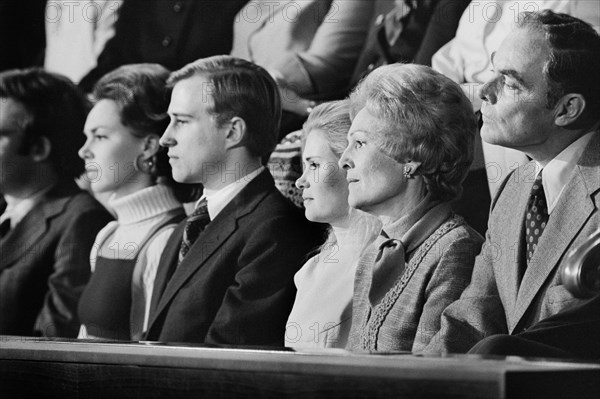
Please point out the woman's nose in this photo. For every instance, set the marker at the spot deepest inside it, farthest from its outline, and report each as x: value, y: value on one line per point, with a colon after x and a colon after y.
x: 302, y: 182
x: 345, y: 161
x: 84, y: 152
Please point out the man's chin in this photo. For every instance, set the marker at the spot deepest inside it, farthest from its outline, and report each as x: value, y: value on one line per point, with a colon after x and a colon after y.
x: 182, y: 179
x: 489, y: 136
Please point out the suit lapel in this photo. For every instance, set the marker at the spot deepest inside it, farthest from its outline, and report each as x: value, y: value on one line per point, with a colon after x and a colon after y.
x: 574, y: 208
x: 512, y: 213
x: 20, y: 240
x: 211, y: 239
x: 25, y: 235
x: 216, y: 233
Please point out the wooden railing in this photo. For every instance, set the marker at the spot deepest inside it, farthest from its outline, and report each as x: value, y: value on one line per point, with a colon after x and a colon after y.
x: 54, y: 368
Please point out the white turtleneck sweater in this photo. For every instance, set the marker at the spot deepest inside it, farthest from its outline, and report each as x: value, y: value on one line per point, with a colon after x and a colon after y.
x: 322, y: 311
x: 136, y: 215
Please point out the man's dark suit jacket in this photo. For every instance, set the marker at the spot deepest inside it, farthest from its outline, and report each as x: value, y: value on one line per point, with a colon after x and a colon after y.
x: 235, y: 286
x: 573, y: 333
x: 44, y: 263
x: 171, y: 33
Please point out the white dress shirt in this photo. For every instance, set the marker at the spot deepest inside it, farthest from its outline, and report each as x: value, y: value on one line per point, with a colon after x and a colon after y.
x: 557, y: 172
x: 218, y: 199
x: 18, y: 208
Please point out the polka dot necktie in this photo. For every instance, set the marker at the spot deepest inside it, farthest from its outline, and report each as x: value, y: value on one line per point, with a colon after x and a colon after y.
x: 196, y: 222
x: 536, y: 216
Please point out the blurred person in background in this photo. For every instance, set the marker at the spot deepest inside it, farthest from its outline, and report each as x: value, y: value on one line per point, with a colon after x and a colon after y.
x: 172, y: 33
x: 310, y: 47
x: 48, y: 225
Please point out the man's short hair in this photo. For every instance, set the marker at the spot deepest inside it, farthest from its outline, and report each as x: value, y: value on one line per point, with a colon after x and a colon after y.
x: 243, y: 89
x: 574, y: 60
x: 57, y: 111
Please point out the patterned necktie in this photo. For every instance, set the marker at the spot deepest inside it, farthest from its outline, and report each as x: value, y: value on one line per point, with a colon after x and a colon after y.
x: 196, y: 222
x: 536, y: 217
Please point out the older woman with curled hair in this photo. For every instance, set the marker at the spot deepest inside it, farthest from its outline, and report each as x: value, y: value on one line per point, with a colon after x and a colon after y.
x: 409, y: 150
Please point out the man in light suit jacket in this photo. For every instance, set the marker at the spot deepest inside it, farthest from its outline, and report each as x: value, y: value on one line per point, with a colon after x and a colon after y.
x: 544, y: 100
x: 48, y: 225
x: 226, y: 275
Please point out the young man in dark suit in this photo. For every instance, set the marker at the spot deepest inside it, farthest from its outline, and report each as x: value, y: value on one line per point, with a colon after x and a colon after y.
x: 48, y: 225
x: 226, y: 275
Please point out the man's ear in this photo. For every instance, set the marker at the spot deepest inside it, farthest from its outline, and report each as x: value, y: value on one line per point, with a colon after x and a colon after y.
x: 236, y: 132
x: 40, y: 149
x: 151, y: 146
x: 568, y: 109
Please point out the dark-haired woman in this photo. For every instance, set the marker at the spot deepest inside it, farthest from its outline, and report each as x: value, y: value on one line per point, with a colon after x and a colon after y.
x: 123, y: 157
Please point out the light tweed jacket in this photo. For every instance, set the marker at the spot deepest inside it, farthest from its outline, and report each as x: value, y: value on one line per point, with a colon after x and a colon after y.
x: 409, y: 314
x: 495, y: 303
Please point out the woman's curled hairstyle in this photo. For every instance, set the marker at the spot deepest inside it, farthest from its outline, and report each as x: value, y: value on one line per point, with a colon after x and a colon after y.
x: 424, y: 117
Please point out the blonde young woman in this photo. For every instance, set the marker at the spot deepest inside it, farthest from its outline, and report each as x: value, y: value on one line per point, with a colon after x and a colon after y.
x: 321, y: 313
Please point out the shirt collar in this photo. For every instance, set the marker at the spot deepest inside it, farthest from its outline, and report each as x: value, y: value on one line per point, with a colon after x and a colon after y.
x: 217, y: 200
x: 557, y: 172
x: 18, y: 208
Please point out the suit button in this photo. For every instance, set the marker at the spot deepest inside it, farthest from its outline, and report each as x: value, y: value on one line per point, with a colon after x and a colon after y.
x: 166, y: 42
x: 177, y: 7
x: 370, y: 67
x: 379, y: 20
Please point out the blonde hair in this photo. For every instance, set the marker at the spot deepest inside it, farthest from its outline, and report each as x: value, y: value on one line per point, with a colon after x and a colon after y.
x: 333, y: 119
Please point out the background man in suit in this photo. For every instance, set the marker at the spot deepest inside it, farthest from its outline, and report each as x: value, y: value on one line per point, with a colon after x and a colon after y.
x: 226, y: 275
x: 48, y: 225
x: 544, y: 100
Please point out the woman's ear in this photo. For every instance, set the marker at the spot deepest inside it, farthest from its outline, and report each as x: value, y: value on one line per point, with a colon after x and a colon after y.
x: 236, y: 133
x: 40, y: 149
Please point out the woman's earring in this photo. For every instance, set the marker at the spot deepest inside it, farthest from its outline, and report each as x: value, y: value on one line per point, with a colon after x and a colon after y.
x: 410, y: 168
x: 146, y: 166
x: 408, y: 172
